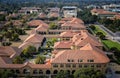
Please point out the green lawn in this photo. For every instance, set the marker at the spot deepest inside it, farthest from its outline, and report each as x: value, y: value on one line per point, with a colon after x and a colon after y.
x: 99, y: 30
x: 109, y: 44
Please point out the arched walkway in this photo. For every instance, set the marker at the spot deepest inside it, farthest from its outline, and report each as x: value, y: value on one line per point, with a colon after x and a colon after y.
x: 35, y: 72
x: 40, y: 72
x: 73, y: 71
x: 55, y: 72
x: 68, y: 71
x: 47, y: 71
x: 26, y: 71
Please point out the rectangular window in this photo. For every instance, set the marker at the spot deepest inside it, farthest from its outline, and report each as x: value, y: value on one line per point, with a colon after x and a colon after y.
x: 90, y: 60
x: 80, y: 60
x: 61, y: 65
x: 85, y: 66
x: 105, y: 65
x: 73, y: 65
x: 68, y: 65
x: 55, y: 65
x: 98, y: 65
x: 92, y: 65
x: 80, y: 65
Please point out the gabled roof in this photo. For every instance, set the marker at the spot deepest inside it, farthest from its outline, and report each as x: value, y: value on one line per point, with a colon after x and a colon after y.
x: 42, y: 15
x: 74, y: 25
x: 79, y: 35
x: 27, y: 64
x: 35, y: 38
x: 63, y: 44
x: 54, y: 14
x: 77, y: 20
x: 42, y: 27
x: 71, y: 20
x: 36, y: 23
x: 117, y: 16
x: 9, y: 51
x: 68, y: 34
x: 88, y: 52
x: 26, y: 44
x: 102, y: 11
x: 87, y: 38
x: 67, y: 19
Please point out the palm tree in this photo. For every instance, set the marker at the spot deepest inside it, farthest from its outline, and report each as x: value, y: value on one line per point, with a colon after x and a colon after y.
x: 18, y: 60
x: 40, y: 59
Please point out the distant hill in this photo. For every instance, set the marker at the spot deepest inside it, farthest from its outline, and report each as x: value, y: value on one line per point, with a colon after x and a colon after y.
x: 39, y: 1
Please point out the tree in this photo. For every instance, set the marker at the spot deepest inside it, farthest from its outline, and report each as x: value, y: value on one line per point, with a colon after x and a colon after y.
x: 18, y: 60
x: 2, y: 17
x: 88, y: 73
x: 114, y: 49
x: 51, y: 42
x: 15, y: 37
x: 99, y: 33
x: 92, y: 27
x: 60, y: 74
x: 7, y: 34
x: 1, y: 38
x: 6, y: 74
x: 40, y: 59
x: 19, y: 31
x: 6, y: 43
x: 85, y: 14
x: 53, y: 26
x: 102, y: 36
x: 63, y: 74
x: 27, y: 52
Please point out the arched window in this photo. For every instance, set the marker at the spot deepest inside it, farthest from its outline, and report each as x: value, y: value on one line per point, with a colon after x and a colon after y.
x: 40, y: 72
x: 73, y: 71
x: 68, y: 71
x: 61, y: 70
x: 35, y: 72
x: 26, y: 71
x: 47, y: 71
x: 17, y: 71
x: 12, y: 71
x: 55, y: 72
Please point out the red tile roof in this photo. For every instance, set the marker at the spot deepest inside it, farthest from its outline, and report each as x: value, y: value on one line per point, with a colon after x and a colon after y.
x: 11, y: 52
x: 42, y: 15
x: 88, y: 52
x: 63, y: 44
x: 42, y: 27
x: 35, y: 38
x: 27, y: 64
x: 71, y: 19
x: 54, y: 14
x: 79, y: 39
x: 87, y: 38
x: 36, y: 23
x: 67, y: 19
x: 102, y: 11
x: 68, y: 34
x: 117, y: 16
x: 77, y: 20
x: 26, y: 44
x: 73, y: 25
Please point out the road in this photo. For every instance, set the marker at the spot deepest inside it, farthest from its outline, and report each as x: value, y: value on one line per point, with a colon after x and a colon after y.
x: 110, y: 34
x: 110, y: 74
